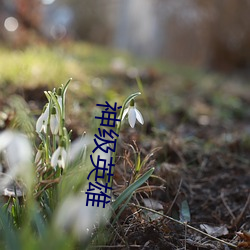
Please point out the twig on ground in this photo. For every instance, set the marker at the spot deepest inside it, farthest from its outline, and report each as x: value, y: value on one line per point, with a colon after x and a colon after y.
x: 227, y: 207
x: 184, y: 224
x: 174, y: 200
x: 115, y: 247
x: 239, y: 217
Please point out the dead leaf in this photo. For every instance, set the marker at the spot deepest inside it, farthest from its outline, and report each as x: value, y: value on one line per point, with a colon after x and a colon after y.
x: 215, y: 231
x: 152, y: 204
x: 155, y: 205
x: 183, y: 208
x: 245, y: 236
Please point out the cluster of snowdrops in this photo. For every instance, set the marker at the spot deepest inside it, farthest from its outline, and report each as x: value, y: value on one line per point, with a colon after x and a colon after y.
x: 50, y: 171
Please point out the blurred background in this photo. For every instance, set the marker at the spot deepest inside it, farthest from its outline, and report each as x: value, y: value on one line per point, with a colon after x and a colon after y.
x: 187, y: 53
x: 211, y: 34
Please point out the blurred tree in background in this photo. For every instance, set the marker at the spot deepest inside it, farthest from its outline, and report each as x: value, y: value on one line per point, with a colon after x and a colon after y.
x: 229, y: 34
x: 214, y: 34
x: 93, y: 20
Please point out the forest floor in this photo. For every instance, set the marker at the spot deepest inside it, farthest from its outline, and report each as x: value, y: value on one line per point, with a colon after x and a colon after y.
x: 196, y: 135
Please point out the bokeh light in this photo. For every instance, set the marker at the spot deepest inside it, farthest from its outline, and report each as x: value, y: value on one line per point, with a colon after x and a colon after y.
x: 58, y: 31
x: 11, y: 24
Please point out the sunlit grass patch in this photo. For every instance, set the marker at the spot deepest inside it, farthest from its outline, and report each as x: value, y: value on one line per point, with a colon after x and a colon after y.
x: 37, y: 65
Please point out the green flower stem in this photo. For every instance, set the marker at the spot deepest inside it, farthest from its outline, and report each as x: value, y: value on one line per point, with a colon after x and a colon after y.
x: 147, y: 105
x: 47, y: 137
x: 61, y: 114
x: 53, y: 142
x: 53, y: 97
x: 65, y: 87
x: 118, y: 128
x: 131, y: 188
x: 66, y: 137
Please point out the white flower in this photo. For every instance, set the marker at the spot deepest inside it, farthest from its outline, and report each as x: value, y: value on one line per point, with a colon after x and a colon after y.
x: 133, y: 114
x: 73, y: 216
x: 59, y: 157
x: 42, y: 122
x: 17, y: 152
x: 54, y: 121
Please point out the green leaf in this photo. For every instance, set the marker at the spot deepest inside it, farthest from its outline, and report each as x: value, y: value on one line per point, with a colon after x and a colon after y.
x: 10, y: 236
x: 65, y: 87
x: 185, y: 212
x: 39, y: 222
x: 128, y: 191
x: 122, y: 209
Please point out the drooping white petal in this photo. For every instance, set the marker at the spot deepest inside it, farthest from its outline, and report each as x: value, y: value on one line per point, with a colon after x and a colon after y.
x: 64, y: 154
x: 54, y: 124
x: 59, y: 157
x: 44, y: 127
x: 42, y: 121
x: 62, y: 161
x: 39, y: 123
x: 132, y: 117
x: 18, y: 156
x: 139, y: 116
x: 124, y: 113
x: 133, y: 114
x: 55, y: 156
x: 5, y: 139
x: 19, y: 151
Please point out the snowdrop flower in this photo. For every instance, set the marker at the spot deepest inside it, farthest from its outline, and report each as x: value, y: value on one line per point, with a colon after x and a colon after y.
x: 59, y: 157
x: 133, y: 114
x: 73, y: 216
x: 54, y: 121
x: 42, y: 122
x: 17, y: 152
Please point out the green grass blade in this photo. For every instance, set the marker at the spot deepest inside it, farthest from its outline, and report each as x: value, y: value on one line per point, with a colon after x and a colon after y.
x: 122, y: 209
x: 39, y: 223
x: 128, y: 191
x: 11, y: 240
